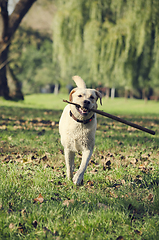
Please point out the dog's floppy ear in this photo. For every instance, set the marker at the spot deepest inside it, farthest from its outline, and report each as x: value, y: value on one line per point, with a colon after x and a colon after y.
x: 79, y: 82
x: 99, y: 95
x: 70, y: 96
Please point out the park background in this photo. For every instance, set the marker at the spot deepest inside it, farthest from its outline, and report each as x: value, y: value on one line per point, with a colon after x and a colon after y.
x: 112, y: 44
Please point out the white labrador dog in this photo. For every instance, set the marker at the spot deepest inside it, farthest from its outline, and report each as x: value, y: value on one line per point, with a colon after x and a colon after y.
x: 77, y: 128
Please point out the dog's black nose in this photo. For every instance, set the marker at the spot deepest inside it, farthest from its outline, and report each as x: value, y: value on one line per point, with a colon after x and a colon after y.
x: 86, y: 102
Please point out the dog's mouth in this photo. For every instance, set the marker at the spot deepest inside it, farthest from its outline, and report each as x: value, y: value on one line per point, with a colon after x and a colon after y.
x: 83, y: 110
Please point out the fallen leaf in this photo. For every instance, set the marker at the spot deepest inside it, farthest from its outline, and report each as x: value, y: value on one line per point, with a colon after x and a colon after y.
x: 138, y: 232
x: 150, y: 197
x: 138, y: 178
x: 108, y: 163
x: 46, y: 166
x: 53, y: 124
x: 102, y: 205
x: 21, y: 228
x: 11, y: 225
x: 93, y: 162
x: 7, y: 159
x: 23, y: 212
x: 144, y: 156
x: 112, y: 194
x: 90, y: 183
x: 44, y: 158
x: 68, y: 202
x: 39, y: 199
x: 10, y: 210
x: 120, y: 238
x: 59, y: 183
x: 34, y: 223
x: 4, y: 127
x: 122, y: 181
x: 141, y: 166
x: 133, y: 161
x: 94, y: 171
x: 61, y: 151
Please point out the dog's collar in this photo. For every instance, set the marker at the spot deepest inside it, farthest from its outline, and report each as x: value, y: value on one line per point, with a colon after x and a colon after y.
x: 81, y: 121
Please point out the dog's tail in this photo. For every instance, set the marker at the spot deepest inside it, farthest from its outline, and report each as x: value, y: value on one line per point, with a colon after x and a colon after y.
x: 79, y: 82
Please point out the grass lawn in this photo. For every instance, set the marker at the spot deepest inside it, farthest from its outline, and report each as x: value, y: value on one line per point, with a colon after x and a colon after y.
x: 120, y: 195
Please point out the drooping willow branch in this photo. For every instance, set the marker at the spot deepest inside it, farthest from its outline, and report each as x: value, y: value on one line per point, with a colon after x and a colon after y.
x: 117, y: 119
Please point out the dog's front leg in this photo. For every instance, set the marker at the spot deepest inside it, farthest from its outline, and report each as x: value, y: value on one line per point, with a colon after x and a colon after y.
x: 86, y: 155
x: 69, y: 159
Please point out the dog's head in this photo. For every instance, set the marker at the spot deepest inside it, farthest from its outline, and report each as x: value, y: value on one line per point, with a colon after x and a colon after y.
x: 86, y: 98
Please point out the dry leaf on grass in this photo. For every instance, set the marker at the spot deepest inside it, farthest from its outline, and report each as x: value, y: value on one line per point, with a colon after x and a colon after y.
x: 94, y: 171
x: 138, y: 232
x: 68, y: 202
x: 11, y: 225
x: 133, y: 161
x: 120, y: 238
x: 39, y: 199
x: 90, y: 183
x: 44, y: 158
x: 7, y: 159
x: 144, y: 157
x: 23, y: 212
x: 102, y: 205
x: 150, y: 197
x: 34, y: 223
x: 21, y: 228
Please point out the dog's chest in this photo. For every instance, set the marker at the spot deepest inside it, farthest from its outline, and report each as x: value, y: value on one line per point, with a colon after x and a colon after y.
x: 82, y: 137
x: 76, y: 136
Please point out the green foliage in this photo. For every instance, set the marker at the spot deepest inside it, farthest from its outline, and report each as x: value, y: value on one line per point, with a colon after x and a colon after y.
x: 114, y: 41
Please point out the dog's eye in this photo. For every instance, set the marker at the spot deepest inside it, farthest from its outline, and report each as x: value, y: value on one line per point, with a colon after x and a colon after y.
x: 80, y: 95
x: 91, y: 97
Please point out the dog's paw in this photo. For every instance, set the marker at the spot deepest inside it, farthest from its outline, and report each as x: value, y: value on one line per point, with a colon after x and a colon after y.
x: 78, y: 179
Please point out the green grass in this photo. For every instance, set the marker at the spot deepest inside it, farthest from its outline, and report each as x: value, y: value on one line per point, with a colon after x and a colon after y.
x: 120, y: 196
x: 116, y: 105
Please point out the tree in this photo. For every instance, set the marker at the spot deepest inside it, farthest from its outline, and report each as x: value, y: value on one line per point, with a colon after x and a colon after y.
x: 8, y: 26
x: 116, y: 41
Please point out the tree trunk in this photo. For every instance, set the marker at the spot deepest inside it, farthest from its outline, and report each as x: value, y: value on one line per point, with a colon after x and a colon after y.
x: 8, y: 26
x: 17, y: 93
x: 4, y: 89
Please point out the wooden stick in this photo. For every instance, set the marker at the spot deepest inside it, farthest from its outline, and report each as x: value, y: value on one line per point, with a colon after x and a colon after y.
x: 116, y: 119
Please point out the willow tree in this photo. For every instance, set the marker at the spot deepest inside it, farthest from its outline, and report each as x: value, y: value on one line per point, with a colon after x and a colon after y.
x: 8, y: 26
x: 113, y: 41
